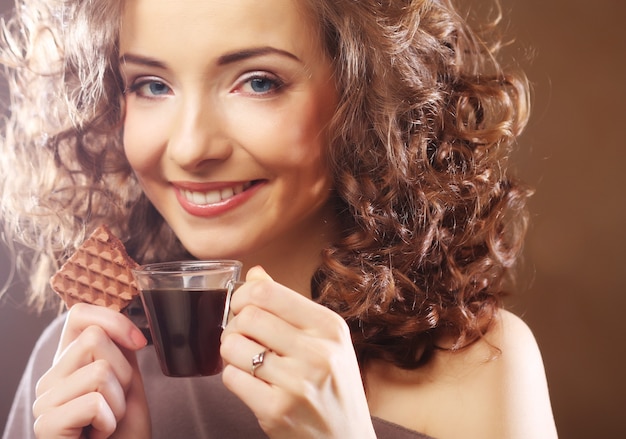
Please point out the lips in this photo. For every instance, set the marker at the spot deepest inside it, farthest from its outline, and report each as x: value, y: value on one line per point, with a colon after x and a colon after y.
x: 206, y: 197
x: 214, y: 199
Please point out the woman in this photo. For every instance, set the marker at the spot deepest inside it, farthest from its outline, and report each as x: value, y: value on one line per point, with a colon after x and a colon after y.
x: 353, y: 153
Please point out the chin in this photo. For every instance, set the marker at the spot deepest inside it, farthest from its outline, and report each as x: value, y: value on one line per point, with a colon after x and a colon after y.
x: 201, y: 253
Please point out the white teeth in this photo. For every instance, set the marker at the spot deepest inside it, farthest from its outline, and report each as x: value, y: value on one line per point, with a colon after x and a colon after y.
x: 240, y: 188
x: 211, y: 197
x: 198, y: 198
x: 227, y: 193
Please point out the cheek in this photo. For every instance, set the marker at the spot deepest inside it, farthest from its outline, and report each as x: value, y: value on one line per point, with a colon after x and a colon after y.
x: 310, y: 128
x: 292, y: 138
x: 143, y: 142
x: 302, y: 159
x: 309, y: 139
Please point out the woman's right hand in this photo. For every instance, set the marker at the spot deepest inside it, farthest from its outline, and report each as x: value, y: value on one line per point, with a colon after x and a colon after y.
x: 94, y: 388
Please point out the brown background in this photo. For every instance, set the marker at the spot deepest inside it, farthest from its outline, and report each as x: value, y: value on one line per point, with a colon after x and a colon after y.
x: 573, y: 293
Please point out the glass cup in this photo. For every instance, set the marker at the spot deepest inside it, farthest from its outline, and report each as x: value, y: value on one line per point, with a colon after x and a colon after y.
x: 187, y: 305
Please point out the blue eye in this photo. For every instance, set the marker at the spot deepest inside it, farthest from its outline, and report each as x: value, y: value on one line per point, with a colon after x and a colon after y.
x: 261, y: 85
x: 157, y: 88
x: 150, y: 88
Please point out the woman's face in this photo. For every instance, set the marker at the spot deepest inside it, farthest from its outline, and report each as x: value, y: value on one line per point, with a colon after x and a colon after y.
x: 227, y: 107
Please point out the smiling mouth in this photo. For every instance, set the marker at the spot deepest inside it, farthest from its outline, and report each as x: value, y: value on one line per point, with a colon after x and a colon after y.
x: 205, y: 198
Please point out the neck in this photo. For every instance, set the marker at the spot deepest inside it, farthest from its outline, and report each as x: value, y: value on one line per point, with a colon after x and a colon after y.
x: 293, y: 260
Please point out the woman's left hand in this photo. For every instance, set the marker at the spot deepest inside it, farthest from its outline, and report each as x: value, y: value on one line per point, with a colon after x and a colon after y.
x: 309, y: 384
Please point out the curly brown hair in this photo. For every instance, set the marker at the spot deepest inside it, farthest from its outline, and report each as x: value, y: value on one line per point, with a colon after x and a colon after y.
x: 433, y: 223
x: 432, y: 220
x: 63, y: 169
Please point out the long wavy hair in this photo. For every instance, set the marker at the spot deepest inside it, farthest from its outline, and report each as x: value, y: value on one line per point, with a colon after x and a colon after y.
x: 432, y: 220
x: 63, y: 171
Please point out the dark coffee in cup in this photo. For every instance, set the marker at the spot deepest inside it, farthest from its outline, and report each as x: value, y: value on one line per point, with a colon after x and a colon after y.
x: 187, y: 304
x: 189, y: 329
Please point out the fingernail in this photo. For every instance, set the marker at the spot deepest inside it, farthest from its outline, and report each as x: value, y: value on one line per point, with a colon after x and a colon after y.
x: 139, y: 340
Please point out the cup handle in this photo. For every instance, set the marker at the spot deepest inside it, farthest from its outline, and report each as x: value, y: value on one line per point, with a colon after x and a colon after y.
x: 232, y: 286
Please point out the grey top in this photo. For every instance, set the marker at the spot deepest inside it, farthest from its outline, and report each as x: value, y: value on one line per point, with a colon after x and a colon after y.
x: 180, y: 407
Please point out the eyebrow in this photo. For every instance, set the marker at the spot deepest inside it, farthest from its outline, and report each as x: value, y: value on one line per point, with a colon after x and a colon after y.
x: 141, y: 60
x: 228, y: 58
x: 252, y: 53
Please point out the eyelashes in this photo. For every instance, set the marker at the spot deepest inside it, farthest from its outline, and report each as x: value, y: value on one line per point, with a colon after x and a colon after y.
x: 255, y: 84
x: 149, y: 88
x: 260, y: 83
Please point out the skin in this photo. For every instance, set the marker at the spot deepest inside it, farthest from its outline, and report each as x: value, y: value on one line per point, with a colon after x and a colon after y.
x: 250, y: 112
x: 202, y: 123
x: 202, y: 116
x: 496, y: 388
x: 94, y: 380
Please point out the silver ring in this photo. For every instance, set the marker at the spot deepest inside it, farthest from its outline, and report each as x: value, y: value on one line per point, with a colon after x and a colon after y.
x: 257, y: 361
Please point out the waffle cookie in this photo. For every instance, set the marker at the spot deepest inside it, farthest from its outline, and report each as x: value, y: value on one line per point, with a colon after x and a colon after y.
x: 99, y: 272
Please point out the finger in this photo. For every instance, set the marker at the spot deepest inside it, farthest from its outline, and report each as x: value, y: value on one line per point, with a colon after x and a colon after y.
x: 259, y: 289
x: 92, y: 344
x: 97, y: 377
x: 255, y: 393
x: 136, y: 422
x: 287, y: 372
x: 311, y: 360
x: 69, y: 420
x: 257, y: 273
x: 239, y: 351
x: 272, y: 405
x: 293, y: 308
x: 118, y: 327
x: 263, y: 327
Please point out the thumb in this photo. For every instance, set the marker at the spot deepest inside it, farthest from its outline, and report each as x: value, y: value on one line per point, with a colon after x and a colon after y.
x: 257, y: 273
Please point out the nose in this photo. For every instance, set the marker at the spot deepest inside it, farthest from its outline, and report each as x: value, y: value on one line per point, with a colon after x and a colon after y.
x: 198, y: 136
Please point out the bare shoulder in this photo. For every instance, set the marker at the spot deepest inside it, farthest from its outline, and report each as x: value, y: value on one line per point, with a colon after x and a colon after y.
x: 517, y: 346
x: 519, y: 365
x: 510, y: 327
x: 495, y: 388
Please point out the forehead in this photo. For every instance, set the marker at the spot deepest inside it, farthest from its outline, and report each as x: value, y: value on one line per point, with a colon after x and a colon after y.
x: 202, y: 24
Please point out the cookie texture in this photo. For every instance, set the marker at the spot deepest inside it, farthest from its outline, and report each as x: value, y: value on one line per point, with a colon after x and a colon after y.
x: 99, y: 272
